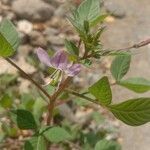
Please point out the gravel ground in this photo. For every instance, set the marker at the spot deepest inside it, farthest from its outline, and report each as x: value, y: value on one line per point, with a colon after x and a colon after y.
x: 121, y: 33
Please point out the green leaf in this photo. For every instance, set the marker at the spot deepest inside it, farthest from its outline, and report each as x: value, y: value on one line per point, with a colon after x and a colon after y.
x: 35, y: 143
x: 71, y: 47
x: 25, y: 119
x: 88, y: 10
x: 6, y: 101
x: 107, y: 145
x: 120, y: 66
x: 99, y: 33
x: 98, y: 19
x: 27, y: 101
x: 9, y: 38
x: 139, y: 85
x: 38, y: 109
x: 57, y: 134
x: 102, y: 91
x: 86, y: 62
x: 77, y: 26
x: 133, y: 112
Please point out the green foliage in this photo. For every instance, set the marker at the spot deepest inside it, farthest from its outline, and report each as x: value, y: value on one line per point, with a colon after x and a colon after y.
x: 90, y: 139
x: 9, y: 38
x: 25, y: 119
x: 98, y: 19
x: 57, y: 134
x: 87, y: 11
x: 6, y: 101
x: 102, y: 91
x: 87, y: 62
x: 27, y: 102
x: 120, y: 66
x: 139, y: 85
x: 87, y: 15
x: 107, y: 145
x: 71, y: 47
x: 133, y: 112
x: 38, y: 109
x: 35, y: 143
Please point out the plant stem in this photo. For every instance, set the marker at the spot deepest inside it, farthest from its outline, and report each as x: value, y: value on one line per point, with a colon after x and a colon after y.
x: 51, y: 106
x: 82, y: 96
x: 137, y: 45
x: 79, y: 43
x: 62, y: 87
x: 28, y: 77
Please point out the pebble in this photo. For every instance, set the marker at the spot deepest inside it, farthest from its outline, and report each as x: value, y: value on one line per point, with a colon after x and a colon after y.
x: 25, y: 26
x: 33, y: 10
x: 114, y: 9
x: 7, y: 2
x: 62, y: 10
x: 52, y: 2
x: 37, y: 39
x: 50, y: 31
x: 55, y: 40
x: 109, y: 19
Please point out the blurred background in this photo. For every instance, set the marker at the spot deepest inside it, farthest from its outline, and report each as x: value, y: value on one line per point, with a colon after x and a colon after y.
x: 43, y: 23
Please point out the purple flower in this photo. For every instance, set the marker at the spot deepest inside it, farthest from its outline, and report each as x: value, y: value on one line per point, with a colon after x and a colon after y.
x: 59, y: 61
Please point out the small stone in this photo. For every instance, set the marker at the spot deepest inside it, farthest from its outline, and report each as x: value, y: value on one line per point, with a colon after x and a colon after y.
x: 109, y: 19
x: 62, y: 10
x: 114, y: 9
x: 7, y: 2
x: 52, y: 2
x: 34, y: 10
x: 55, y: 40
x: 50, y: 31
x: 24, y: 50
x: 37, y: 39
x: 24, y: 26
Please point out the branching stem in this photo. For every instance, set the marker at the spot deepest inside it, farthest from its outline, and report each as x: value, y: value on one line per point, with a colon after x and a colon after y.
x: 29, y: 78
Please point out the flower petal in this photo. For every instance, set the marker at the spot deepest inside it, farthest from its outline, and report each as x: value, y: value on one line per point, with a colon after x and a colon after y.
x: 73, y: 70
x: 43, y: 56
x: 59, y: 60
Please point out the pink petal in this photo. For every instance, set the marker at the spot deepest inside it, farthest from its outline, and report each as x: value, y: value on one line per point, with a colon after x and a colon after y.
x: 73, y: 70
x: 59, y: 60
x: 43, y: 56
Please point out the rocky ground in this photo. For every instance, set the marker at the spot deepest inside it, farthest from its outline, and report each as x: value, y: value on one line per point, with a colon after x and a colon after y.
x: 132, y: 28
x: 42, y: 23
